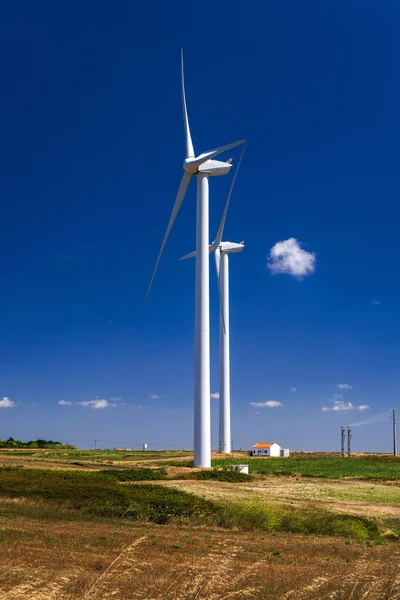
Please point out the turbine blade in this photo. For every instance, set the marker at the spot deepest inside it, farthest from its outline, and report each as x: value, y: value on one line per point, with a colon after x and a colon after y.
x: 217, y: 257
x: 221, y: 306
x: 179, y: 199
x: 193, y: 254
x: 199, y: 160
x: 188, y: 137
x: 220, y: 231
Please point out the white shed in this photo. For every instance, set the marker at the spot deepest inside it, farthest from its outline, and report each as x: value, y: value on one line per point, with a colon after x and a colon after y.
x: 266, y: 449
x: 284, y: 452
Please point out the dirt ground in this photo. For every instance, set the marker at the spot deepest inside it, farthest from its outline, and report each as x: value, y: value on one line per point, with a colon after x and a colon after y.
x: 67, y: 558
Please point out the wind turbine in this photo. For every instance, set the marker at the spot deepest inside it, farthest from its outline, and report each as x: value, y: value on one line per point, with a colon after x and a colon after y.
x: 203, y: 166
x: 222, y: 251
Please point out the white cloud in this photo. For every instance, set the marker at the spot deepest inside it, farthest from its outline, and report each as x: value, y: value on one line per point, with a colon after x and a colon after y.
x: 339, y: 404
x: 7, y: 403
x: 293, y: 389
x: 376, y: 302
x: 154, y: 396
x: 215, y: 395
x: 95, y: 403
x: 269, y: 404
x: 289, y: 257
x: 344, y: 386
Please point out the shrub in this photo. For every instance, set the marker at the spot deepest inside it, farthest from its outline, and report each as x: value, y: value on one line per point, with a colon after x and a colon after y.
x: 136, y: 474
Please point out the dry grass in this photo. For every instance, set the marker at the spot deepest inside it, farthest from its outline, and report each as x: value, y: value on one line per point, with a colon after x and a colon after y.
x: 357, y: 498
x: 62, y: 558
x: 51, y: 553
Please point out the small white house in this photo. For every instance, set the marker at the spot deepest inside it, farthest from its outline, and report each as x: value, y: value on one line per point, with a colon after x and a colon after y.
x: 284, y: 452
x: 266, y: 449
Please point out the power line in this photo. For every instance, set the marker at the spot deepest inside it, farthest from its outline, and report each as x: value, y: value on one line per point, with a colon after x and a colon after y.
x: 373, y: 419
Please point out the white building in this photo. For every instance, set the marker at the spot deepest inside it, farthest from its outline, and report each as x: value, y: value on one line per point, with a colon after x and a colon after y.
x: 266, y: 449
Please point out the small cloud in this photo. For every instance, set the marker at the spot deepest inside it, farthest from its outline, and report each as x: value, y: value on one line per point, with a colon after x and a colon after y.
x: 215, y: 395
x: 339, y: 404
x: 96, y: 404
x: 269, y: 404
x: 293, y: 389
x: 154, y: 396
x: 376, y: 302
x: 290, y: 258
x: 257, y: 412
x: 344, y: 386
x: 7, y: 403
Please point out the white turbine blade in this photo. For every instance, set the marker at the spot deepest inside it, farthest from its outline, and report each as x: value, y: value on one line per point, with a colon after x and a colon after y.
x: 193, y: 254
x: 217, y: 256
x: 188, y: 137
x: 202, y: 158
x: 179, y: 199
x: 220, y: 231
x: 217, y: 267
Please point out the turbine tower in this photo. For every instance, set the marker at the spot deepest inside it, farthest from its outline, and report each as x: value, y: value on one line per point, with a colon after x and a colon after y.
x: 203, y: 166
x: 222, y: 251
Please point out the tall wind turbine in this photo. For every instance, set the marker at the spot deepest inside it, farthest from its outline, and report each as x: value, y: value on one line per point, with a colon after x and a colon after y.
x: 203, y: 166
x: 222, y: 251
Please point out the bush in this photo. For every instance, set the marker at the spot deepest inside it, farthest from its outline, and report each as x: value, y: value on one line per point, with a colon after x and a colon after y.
x: 272, y: 519
x: 136, y: 474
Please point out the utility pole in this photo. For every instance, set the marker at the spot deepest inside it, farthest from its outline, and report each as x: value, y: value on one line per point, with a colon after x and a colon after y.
x: 343, y: 438
x: 349, y: 440
x: 394, y: 432
x: 95, y: 450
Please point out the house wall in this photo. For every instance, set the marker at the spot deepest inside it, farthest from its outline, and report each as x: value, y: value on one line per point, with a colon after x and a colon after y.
x: 275, y: 450
x: 260, y: 452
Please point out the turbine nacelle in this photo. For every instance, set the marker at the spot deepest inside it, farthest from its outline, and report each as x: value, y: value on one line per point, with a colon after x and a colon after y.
x: 207, y: 165
x: 231, y: 247
x: 214, y: 168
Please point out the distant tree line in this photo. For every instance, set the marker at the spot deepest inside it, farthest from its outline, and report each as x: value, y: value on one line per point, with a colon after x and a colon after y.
x: 11, y: 443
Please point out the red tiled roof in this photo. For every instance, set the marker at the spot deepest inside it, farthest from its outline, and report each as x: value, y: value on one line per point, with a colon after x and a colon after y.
x: 262, y: 445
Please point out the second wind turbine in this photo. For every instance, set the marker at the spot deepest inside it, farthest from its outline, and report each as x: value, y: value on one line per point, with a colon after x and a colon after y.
x: 203, y: 166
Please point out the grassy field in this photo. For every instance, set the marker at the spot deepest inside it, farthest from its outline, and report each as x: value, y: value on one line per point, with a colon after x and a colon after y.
x: 100, y: 493
x: 385, y: 468
x: 310, y: 526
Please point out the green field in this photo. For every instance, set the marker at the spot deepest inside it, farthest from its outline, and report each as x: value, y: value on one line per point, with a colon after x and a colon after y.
x: 99, y: 455
x: 101, y: 493
x: 384, y: 468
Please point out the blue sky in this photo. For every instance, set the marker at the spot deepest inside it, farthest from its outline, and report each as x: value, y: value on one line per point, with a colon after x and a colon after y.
x: 91, y: 159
